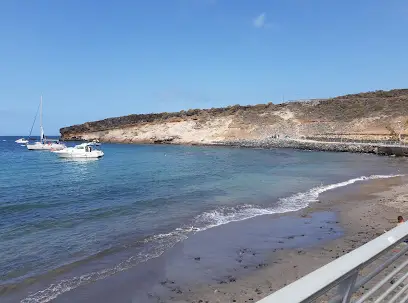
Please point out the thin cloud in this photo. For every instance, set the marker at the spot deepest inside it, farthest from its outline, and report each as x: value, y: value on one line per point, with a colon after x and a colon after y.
x: 261, y: 21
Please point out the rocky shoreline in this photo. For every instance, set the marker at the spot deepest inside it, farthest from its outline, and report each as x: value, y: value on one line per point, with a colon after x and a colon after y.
x: 370, y: 148
x: 379, y: 148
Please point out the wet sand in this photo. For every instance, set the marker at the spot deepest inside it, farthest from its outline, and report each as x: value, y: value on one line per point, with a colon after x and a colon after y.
x: 364, y: 210
x: 247, y: 260
x: 217, y: 256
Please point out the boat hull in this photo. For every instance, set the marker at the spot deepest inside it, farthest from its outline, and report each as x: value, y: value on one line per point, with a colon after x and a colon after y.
x: 46, y: 146
x: 73, y: 155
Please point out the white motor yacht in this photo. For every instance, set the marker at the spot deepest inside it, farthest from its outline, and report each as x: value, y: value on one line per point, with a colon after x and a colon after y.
x: 84, y: 150
x: 21, y: 141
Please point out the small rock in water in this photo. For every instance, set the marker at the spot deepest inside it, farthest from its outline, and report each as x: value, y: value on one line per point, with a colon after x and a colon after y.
x: 167, y: 282
x: 177, y: 290
x: 260, y: 265
x: 197, y: 258
x: 232, y: 279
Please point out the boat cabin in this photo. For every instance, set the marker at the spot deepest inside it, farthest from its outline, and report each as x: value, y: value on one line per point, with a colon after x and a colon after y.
x: 88, y: 147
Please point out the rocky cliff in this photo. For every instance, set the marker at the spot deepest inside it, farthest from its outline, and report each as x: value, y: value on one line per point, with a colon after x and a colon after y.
x: 379, y: 115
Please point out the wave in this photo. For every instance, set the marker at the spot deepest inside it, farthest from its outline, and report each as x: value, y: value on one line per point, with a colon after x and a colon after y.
x: 158, y: 244
x: 292, y: 203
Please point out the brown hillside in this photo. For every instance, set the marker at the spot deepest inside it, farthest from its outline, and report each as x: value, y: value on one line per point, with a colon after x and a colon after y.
x: 371, y: 115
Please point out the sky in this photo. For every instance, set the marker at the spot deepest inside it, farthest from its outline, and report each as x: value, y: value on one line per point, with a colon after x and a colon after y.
x: 94, y: 59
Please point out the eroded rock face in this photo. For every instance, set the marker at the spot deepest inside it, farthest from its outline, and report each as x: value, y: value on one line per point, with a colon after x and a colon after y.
x: 379, y: 115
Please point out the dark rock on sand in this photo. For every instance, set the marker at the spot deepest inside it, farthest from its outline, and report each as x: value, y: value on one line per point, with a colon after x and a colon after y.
x: 177, y: 290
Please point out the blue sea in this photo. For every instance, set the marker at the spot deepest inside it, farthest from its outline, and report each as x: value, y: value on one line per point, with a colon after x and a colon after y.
x: 65, y: 223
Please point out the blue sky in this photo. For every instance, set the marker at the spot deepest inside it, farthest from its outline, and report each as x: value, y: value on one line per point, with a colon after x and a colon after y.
x: 96, y: 59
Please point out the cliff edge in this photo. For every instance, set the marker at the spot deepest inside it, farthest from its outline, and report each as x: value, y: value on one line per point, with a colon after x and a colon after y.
x: 378, y: 115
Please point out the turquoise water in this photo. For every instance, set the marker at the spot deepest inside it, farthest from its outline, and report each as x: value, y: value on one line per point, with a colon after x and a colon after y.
x: 73, y: 222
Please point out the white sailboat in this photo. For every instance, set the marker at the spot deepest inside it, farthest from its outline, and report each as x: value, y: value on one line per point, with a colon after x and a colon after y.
x: 44, y: 143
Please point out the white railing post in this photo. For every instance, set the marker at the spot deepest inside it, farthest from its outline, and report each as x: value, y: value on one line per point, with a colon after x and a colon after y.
x: 346, y: 288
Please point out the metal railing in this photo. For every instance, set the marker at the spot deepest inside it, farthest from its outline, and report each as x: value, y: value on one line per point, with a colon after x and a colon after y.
x: 346, y: 273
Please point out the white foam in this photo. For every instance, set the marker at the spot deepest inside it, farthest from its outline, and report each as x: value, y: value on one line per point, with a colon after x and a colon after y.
x: 292, y: 203
x: 224, y: 215
x: 202, y: 222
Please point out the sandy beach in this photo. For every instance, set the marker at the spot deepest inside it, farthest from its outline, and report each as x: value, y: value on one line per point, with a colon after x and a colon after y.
x: 364, y: 211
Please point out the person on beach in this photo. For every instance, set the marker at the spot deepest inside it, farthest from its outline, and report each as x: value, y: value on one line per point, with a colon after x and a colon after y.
x: 401, y: 221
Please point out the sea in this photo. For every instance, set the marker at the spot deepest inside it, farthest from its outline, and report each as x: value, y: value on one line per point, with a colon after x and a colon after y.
x: 65, y: 224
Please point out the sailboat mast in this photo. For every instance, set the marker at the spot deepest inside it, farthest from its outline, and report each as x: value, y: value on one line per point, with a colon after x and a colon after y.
x: 41, y: 125
x: 41, y: 122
